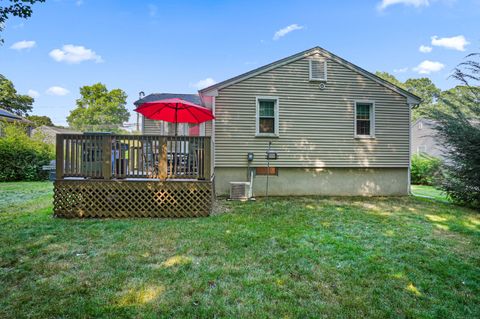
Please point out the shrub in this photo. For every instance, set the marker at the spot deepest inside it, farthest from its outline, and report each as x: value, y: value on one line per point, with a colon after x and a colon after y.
x: 426, y: 170
x: 22, y: 157
x: 458, y: 128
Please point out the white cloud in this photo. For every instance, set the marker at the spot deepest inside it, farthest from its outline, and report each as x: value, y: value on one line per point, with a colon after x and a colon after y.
x: 22, y: 45
x: 79, y: 2
x: 415, y: 3
x: 32, y: 93
x: 75, y: 54
x: 283, y: 32
x: 425, y: 49
x: 57, y: 90
x: 455, y: 43
x: 203, y: 83
x: 401, y: 70
x: 427, y: 67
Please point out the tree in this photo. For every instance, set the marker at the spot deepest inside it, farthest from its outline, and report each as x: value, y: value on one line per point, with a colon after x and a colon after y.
x: 426, y: 90
x: 390, y: 78
x: 11, y: 101
x: 16, y: 8
x: 469, y: 72
x: 422, y: 87
x: 99, y: 109
x: 458, y: 130
x: 40, y: 120
x: 458, y: 95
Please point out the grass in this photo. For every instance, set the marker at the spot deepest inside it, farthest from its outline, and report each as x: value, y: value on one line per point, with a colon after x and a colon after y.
x: 24, y: 195
x: 295, y: 258
x: 429, y: 191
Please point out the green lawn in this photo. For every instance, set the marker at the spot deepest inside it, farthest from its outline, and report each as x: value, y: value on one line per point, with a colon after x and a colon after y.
x: 429, y: 191
x: 295, y: 258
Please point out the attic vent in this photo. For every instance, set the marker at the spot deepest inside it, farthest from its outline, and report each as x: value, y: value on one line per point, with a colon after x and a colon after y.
x: 318, y: 70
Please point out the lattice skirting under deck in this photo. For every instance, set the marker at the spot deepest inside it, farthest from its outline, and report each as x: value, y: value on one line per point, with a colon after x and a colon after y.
x: 100, y: 198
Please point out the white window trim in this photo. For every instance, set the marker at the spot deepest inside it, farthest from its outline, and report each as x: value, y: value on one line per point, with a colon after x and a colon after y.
x: 324, y: 69
x: 421, y: 149
x: 257, y: 116
x: 372, y: 119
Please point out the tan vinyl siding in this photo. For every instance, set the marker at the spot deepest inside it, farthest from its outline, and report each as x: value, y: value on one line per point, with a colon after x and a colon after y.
x: 316, y: 127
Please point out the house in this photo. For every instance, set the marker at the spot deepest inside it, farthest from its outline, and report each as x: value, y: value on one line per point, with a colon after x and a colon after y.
x: 425, y: 139
x: 49, y: 133
x: 337, y: 128
x: 10, y: 117
x: 166, y: 128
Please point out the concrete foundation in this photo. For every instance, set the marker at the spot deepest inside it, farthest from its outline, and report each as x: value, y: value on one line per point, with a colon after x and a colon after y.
x: 320, y: 181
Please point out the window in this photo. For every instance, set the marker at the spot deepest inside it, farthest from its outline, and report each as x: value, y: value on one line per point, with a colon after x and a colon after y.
x: 364, y: 119
x: 183, y: 129
x: 267, y: 116
x: 318, y: 70
x: 421, y: 149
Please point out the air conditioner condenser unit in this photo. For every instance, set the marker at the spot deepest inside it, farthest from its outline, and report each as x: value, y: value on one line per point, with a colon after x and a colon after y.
x: 239, y: 190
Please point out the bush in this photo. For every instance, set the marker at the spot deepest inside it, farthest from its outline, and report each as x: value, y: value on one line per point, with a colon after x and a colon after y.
x: 458, y: 129
x: 426, y: 170
x: 22, y: 157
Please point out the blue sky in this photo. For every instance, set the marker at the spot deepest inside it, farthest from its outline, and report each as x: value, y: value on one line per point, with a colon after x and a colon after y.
x: 177, y: 46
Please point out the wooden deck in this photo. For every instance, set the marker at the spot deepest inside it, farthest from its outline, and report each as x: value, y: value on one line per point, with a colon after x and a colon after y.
x: 108, y: 175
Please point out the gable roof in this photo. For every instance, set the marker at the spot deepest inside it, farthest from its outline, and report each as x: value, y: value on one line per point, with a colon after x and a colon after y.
x: 12, y: 116
x: 411, y: 98
x: 193, y: 98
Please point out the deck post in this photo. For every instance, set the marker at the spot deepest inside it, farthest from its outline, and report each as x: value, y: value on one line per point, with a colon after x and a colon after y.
x: 107, y: 157
x: 162, y: 160
x: 208, y: 159
x: 59, y: 157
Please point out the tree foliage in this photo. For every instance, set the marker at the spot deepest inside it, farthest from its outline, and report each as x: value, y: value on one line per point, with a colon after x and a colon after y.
x: 22, y: 157
x: 39, y: 120
x: 422, y: 87
x: 458, y: 129
x: 390, y: 78
x: 16, y: 8
x: 426, y: 170
x: 11, y: 101
x: 99, y: 109
x: 460, y: 96
x: 427, y: 91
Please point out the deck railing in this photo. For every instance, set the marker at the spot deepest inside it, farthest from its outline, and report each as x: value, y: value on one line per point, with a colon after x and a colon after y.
x: 113, y: 156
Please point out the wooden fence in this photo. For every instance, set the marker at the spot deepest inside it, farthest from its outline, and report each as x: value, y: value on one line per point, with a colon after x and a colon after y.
x: 113, y: 156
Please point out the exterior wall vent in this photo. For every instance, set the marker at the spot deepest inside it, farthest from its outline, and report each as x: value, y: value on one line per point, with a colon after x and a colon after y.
x: 318, y: 70
x: 239, y: 190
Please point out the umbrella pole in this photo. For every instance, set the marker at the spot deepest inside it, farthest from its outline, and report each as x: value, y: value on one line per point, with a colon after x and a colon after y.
x: 176, y: 123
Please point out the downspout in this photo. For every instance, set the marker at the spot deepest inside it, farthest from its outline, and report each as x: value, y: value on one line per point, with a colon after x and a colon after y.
x: 409, y: 189
x: 213, y: 136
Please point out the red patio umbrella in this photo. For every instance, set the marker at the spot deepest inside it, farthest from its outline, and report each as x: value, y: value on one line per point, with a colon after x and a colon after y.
x: 175, y: 110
